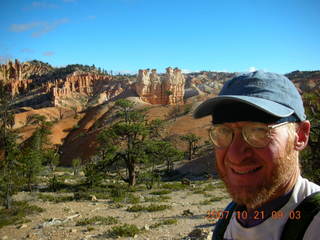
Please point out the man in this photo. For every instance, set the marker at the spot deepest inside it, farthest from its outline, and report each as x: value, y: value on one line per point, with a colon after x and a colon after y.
x: 259, y: 128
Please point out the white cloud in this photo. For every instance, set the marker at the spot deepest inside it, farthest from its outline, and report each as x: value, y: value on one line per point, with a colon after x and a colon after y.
x: 48, y: 53
x: 252, y: 69
x: 26, y: 50
x: 43, y: 4
x: 38, y: 28
x: 24, y: 26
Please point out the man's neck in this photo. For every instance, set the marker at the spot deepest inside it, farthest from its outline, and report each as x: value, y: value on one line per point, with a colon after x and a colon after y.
x: 253, y: 217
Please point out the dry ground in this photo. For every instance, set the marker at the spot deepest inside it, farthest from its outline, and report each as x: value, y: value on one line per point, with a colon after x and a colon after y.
x: 58, y: 221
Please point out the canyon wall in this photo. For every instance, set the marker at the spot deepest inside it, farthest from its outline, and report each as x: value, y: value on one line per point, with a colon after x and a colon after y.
x: 80, y: 86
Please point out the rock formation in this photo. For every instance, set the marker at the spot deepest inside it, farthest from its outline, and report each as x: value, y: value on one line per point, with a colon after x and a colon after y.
x: 83, y: 85
x: 17, y: 75
x: 166, y: 89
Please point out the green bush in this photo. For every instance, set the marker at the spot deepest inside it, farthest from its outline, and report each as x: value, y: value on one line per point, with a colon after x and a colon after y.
x: 126, y: 230
x: 132, y: 199
x: 17, y: 213
x: 150, y: 208
x: 175, y: 186
x: 78, y: 196
x: 55, y: 198
x: 159, y: 198
x: 209, y: 187
x: 211, y: 200
x: 164, y: 222
x: 161, y: 192
x: 97, y: 220
x: 118, y: 194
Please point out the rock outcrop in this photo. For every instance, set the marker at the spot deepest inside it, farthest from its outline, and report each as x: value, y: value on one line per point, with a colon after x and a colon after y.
x: 17, y: 75
x: 81, y: 86
x: 161, y: 89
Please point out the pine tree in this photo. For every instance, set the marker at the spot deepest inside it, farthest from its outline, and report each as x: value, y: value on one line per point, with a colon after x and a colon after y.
x: 192, y: 141
x: 10, y: 177
x: 34, y: 153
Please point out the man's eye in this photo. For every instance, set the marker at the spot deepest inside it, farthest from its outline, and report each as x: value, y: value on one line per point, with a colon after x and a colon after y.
x: 225, y: 131
x: 260, y: 131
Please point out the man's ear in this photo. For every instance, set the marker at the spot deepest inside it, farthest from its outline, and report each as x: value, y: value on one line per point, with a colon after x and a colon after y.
x: 302, y: 135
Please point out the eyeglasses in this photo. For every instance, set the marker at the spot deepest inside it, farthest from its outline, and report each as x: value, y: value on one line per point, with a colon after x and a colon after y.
x: 257, y: 135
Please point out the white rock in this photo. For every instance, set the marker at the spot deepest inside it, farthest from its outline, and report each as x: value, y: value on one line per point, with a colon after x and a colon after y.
x: 146, y: 227
x: 22, y: 226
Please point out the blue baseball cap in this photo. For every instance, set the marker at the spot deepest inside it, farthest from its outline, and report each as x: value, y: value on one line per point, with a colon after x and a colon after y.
x: 270, y: 93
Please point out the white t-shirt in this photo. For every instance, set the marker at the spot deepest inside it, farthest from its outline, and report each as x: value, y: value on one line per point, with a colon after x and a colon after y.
x: 272, y: 227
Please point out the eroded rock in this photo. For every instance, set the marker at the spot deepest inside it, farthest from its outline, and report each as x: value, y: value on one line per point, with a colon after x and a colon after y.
x: 165, y: 89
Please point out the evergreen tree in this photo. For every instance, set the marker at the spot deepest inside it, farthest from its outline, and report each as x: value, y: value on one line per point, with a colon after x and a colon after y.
x: 76, y: 165
x: 132, y: 140
x: 192, y: 141
x: 34, y: 153
x: 9, y: 164
x: 51, y: 160
x: 310, y: 159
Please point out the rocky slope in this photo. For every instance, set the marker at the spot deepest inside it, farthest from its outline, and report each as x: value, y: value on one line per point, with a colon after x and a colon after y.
x: 77, y: 98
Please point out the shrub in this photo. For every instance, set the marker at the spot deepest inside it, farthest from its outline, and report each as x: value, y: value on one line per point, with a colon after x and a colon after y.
x: 55, y: 198
x: 17, y: 213
x: 210, y: 201
x: 82, y: 196
x: 164, y: 222
x: 175, y: 186
x: 209, y: 187
x: 97, y: 220
x: 159, y: 198
x: 117, y: 194
x: 126, y: 230
x: 161, y: 192
x: 150, y: 208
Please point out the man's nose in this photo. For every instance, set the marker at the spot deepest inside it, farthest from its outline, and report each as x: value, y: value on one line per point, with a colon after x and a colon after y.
x: 238, y: 149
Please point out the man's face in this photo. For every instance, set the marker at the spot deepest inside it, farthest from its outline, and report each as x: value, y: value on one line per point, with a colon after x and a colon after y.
x: 254, y: 176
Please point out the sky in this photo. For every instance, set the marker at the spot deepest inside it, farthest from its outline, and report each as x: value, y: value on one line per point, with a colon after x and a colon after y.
x: 193, y: 35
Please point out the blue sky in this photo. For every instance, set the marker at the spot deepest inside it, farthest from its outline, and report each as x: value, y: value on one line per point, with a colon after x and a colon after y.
x: 127, y: 35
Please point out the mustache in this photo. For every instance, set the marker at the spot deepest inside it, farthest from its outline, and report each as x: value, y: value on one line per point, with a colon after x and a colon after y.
x: 248, y: 162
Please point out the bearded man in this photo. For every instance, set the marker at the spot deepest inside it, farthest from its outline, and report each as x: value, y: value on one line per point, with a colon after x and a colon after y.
x: 258, y: 129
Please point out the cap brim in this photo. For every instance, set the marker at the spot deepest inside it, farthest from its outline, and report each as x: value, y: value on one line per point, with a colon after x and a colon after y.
x: 270, y: 107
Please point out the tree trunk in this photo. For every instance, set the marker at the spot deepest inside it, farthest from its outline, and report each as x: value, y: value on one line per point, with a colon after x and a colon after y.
x: 132, y: 174
x: 190, y: 151
x: 8, y: 199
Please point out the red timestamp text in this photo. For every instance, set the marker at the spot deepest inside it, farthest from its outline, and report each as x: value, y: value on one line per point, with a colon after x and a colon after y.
x: 224, y: 214
x: 280, y: 214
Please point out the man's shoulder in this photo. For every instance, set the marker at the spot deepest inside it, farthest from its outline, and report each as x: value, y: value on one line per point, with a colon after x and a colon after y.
x: 313, y: 231
x: 304, y: 188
